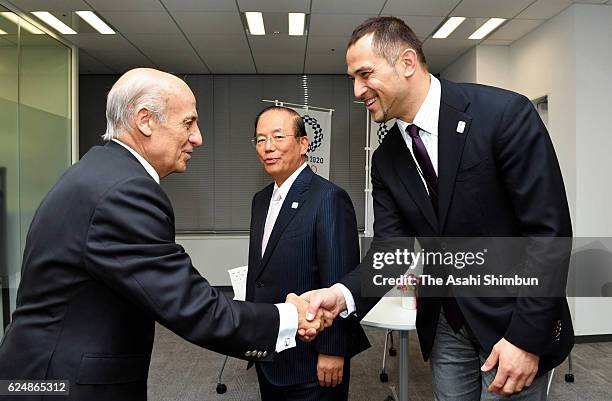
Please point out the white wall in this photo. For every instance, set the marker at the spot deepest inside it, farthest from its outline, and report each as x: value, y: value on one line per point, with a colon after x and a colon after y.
x: 593, y: 145
x: 212, y: 256
x: 493, y: 66
x: 463, y: 69
x: 489, y: 65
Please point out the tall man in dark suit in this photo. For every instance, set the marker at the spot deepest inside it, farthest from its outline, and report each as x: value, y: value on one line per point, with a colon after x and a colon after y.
x: 463, y: 160
x: 101, y: 265
x: 303, y: 237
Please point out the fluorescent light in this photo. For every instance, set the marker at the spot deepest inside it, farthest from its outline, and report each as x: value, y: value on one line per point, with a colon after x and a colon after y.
x: 296, y: 24
x: 3, y: 32
x: 53, y: 22
x: 96, y: 23
x: 21, y: 22
x: 449, y: 26
x: 487, y: 28
x: 255, y: 22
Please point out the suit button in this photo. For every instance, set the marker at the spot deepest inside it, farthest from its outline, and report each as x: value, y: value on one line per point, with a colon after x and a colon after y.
x: 259, y: 354
x: 247, y: 354
x: 265, y: 354
x: 259, y: 285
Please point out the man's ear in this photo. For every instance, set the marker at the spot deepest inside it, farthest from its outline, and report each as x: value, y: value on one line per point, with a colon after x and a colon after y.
x: 144, y: 118
x: 303, y: 145
x: 408, y: 60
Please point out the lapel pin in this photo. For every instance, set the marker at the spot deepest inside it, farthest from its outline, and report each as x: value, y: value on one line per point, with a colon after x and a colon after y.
x: 461, y: 127
x: 294, y: 205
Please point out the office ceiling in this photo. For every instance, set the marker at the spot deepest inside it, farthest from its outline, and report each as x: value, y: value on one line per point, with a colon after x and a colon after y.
x: 209, y: 36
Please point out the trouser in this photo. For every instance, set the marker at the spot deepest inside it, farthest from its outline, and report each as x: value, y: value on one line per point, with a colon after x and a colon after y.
x: 455, y: 363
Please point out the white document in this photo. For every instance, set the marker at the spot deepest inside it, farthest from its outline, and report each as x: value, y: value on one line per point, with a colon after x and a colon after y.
x: 238, y: 277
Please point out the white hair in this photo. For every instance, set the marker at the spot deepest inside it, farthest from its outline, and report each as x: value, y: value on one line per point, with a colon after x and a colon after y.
x: 124, y: 101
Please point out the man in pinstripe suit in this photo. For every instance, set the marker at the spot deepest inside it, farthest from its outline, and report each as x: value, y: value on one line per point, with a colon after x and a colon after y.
x: 303, y: 236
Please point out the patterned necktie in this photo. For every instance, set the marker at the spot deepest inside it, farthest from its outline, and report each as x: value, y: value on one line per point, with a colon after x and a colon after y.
x: 425, y: 165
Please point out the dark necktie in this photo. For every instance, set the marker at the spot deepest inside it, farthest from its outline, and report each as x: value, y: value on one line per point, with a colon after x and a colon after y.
x: 425, y: 165
x: 453, y: 314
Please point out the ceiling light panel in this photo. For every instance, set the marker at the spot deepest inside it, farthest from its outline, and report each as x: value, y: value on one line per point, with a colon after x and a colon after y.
x: 96, y: 22
x: 297, y: 23
x: 448, y: 27
x: 54, y: 23
x: 255, y: 22
x: 487, y: 28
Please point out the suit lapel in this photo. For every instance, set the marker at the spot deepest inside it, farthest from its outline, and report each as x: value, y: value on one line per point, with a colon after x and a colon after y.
x: 409, y: 176
x: 291, y: 205
x: 450, y: 144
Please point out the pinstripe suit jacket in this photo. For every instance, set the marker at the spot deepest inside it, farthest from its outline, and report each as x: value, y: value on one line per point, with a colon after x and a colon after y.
x: 312, y: 245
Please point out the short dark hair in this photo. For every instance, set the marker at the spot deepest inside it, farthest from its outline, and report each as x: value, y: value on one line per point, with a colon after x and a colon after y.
x: 391, y: 36
x: 298, y: 122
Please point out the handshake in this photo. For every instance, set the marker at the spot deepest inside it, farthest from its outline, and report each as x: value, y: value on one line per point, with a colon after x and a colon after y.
x: 316, y: 310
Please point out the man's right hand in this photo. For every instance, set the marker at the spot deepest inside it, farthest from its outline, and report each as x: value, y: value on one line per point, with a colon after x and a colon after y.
x: 327, y: 301
x: 309, y: 327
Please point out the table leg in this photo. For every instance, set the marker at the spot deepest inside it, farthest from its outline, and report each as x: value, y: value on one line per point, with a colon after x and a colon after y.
x: 403, y: 366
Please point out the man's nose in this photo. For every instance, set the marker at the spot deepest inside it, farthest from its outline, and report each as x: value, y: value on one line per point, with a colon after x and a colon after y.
x: 269, y: 145
x: 196, y: 138
x: 359, y: 88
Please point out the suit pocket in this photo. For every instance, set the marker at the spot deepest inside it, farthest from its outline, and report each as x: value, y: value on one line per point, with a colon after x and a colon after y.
x: 472, y: 169
x: 291, y: 233
x: 112, y: 369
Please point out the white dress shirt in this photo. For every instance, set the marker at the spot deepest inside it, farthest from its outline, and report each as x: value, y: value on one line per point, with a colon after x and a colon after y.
x: 276, y: 202
x: 288, y: 316
x: 427, y: 121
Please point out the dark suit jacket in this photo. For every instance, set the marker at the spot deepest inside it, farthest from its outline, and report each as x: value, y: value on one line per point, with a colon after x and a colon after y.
x: 499, y: 178
x: 100, y: 267
x: 311, y: 246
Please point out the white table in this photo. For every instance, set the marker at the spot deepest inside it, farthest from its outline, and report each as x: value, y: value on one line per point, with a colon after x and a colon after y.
x: 389, y: 314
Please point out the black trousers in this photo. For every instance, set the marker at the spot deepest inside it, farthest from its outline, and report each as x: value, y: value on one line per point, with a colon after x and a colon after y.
x: 311, y: 391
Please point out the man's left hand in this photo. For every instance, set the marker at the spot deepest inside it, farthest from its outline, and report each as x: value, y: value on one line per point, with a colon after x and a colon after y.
x: 330, y: 370
x: 516, y: 368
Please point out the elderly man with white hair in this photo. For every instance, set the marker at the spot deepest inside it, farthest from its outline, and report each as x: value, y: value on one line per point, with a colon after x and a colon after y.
x: 101, y: 264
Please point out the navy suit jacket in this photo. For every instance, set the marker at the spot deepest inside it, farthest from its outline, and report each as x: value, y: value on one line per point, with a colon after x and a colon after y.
x: 100, y: 267
x: 313, y: 244
x: 498, y: 178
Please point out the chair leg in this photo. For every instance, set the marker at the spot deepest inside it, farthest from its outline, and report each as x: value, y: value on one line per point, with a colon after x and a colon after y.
x: 221, y: 387
x: 392, y: 350
x: 550, y: 379
x: 383, y: 373
x: 569, y: 376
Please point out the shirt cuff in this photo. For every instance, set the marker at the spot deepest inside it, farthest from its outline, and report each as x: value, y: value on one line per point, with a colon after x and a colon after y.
x: 348, y: 299
x: 287, y: 326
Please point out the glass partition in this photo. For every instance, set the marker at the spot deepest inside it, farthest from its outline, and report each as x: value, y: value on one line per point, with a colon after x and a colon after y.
x: 35, y: 136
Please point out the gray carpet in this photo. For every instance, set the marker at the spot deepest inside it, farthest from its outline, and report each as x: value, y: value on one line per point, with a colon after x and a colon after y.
x: 182, y: 371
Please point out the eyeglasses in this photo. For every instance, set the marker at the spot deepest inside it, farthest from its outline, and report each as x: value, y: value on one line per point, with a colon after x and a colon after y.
x: 260, y: 140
